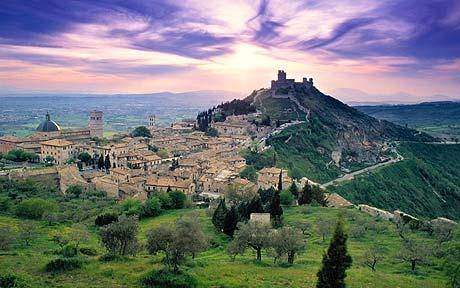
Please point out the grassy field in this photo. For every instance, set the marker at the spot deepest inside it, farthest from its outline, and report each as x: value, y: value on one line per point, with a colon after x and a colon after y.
x: 214, y: 268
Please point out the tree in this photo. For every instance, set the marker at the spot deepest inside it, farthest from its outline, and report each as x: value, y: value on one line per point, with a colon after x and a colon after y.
x: 318, y: 195
x: 230, y: 222
x: 186, y: 238
x: 212, y: 132
x: 249, y: 173
x: 286, y: 197
x: 323, y: 227
x: 275, y: 209
x: 177, y: 199
x: 74, y: 190
x: 84, y: 157
x: 131, y: 207
x: 305, y: 195
x: 287, y: 241
x: 255, y: 235
x: 413, y: 252
x: 49, y: 160
x: 280, y: 181
x: 141, y: 131
x: 151, y: 207
x: 294, y: 190
x: 120, y: 238
x: 100, y: 162
x: 372, y: 256
x: 105, y: 219
x: 107, y: 163
x: 443, y: 231
x: 452, y: 265
x: 34, y: 208
x: 27, y: 232
x: 218, y: 218
x: 335, y: 261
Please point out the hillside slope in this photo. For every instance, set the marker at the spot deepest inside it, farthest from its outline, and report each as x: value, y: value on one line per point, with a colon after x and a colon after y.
x: 426, y: 183
x: 341, y: 135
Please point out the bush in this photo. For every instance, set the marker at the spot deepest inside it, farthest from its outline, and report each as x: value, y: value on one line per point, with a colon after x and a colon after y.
x: 69, y: 251
x: 177, y: 199
x: 35, y: 208
x: 12, y: 281
x: 5, y: 203
x: 167, y: 279
x: 88, y: 251
x: 106, y: 219
x: 165, y: 200
x: 131, y: 207
x: 286, y: 198
x: 64, y: 264
x: 151, y: 207
x: 6, y: 238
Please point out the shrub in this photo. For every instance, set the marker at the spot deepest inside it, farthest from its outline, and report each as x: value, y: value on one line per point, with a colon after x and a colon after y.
x: 177, y: 199
x: 5, y: 203
x: 88, y: 251
x: 6, y: 238
x: 121, y: 237
x: 151, y: 207
x: 131, y: 207
x: 106, y: 219
x: 12, y: 281
x: 165, y: 200
x: 167, y: 279
x: 34, y: 208
x: 64, y: 264
x: 286, y: 198
x: 69, y: 251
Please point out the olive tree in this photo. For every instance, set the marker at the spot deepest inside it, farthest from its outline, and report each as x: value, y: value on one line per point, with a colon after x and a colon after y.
x: 120, y: 238
x: 287, y: 241
x: 413, y: 252
x: 177, y: 242
x: 254, y: 234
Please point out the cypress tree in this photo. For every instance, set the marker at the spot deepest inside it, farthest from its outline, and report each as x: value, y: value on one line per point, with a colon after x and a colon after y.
x: 100, y: 162
x: 107, y: 162
x: 276, y: 211
x: 280, y: 181
x: 218, y: 217
x: 294, y: 190
x: 305, y: 196
x: 335, y: 261
x: 230, y: 222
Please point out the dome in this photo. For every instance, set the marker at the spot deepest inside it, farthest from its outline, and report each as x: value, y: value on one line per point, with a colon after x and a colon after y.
x: 48, y: 125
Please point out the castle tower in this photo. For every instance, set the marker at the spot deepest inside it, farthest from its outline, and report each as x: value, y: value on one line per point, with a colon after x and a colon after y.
x: 152, y: 121
x: 96, y: 123
x: 281, y: 75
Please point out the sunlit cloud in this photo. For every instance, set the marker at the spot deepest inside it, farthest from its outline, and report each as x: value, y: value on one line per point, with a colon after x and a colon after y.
x: 145, y: 46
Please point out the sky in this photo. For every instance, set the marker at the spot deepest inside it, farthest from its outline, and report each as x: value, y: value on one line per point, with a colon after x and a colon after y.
x: 396, y: 47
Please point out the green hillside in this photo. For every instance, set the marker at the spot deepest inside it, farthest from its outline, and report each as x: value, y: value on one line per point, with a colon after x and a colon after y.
x: 426, y: 183
x: 214, y: 268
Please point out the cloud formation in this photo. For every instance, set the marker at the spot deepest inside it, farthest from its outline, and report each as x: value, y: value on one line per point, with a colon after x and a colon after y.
x: 375, y: 45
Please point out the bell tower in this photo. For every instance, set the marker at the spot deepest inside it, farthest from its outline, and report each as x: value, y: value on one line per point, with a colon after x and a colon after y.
x: 96, y: 123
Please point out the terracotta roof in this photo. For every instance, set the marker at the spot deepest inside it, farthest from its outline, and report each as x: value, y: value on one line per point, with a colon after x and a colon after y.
x: 272, y: 170
x: 168, y: 182
x: 57, y: 143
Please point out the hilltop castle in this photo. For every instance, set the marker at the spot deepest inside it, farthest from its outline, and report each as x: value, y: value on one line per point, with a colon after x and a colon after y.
x: 283, y: 83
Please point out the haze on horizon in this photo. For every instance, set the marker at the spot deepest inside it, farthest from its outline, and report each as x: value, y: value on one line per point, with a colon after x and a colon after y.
x: 134, y: 46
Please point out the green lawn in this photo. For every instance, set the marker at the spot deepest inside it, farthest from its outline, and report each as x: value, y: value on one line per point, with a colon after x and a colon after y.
x: 214, y: 268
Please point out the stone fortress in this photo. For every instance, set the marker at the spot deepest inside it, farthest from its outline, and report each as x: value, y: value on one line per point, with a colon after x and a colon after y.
x: 283, y: 83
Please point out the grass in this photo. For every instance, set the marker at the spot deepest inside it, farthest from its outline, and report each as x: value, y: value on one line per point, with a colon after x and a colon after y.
x: 214, y: 268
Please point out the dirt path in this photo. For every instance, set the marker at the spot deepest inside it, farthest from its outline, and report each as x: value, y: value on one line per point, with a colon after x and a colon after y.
x: 351, y: 175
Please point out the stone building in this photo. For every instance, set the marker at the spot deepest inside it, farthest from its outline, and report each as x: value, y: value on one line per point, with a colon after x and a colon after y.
x: 269, y: 177
x: 96, y: 124
x: 283, y: 83
x: 59, y: 149
x: 165, y: 183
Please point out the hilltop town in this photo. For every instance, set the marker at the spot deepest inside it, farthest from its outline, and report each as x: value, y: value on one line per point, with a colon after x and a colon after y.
x: 178, y: 157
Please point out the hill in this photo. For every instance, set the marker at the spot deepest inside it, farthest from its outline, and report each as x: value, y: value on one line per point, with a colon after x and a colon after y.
x: 334, y: 136
x: 440, y: 119
x: 214, y: 268
x: 426, y: 183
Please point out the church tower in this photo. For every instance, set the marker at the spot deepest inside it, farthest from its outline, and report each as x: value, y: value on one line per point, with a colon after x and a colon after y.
x: 96, y: 124
x: 152, y: 121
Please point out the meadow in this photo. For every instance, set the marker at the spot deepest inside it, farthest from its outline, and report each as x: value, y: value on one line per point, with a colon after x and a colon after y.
x: 214, y: 268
